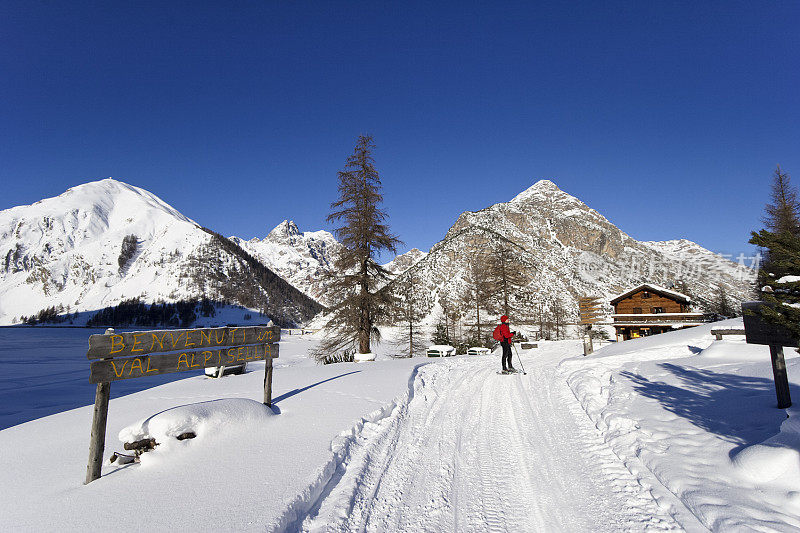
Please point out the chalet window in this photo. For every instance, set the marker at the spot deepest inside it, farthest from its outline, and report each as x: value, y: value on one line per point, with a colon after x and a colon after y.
x: 656, y: 310
x: 645, y: 294
x: 637, y: 310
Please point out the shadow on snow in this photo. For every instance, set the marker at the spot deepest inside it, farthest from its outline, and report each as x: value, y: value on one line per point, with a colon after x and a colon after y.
x: 739, y: 409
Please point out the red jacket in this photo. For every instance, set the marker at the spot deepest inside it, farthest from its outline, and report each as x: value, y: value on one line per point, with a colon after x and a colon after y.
x: 506, y: 331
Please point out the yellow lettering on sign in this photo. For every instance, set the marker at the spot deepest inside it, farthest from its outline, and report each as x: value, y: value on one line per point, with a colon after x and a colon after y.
x: 207, y: 356
x: 116, y: 340
x: 230, y: 354
x: 159, y: 341
x: 136, y: 363
x: 148, y: 367
x: 174, y: 340
x: 187, y: 343
x: 121, y: 370
x: 233, y: 335
x: 136, y: 342
x: 239, y: 353
x: 216, y: 336
x: 183, y: 357
x: 205, y: 335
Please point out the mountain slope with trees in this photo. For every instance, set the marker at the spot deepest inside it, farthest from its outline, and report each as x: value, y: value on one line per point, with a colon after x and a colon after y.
x: 556, y: 249
x: 106, y: 242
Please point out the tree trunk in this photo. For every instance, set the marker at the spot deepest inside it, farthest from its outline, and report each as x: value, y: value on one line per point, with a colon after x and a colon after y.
x: 364, y: 329
x: 478, y: 314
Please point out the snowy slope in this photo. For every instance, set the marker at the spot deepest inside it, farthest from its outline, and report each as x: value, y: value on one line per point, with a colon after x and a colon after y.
x: 698, y: 419
x: 682, y: 433
x: 65, y: 252
x: 304, y: 259
x: 569, y: 251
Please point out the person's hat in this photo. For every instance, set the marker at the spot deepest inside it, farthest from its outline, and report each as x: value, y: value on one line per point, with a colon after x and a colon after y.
x: 504, y: 318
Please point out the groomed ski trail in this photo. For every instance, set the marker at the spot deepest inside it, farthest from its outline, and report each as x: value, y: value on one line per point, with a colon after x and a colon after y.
x: 476, y: 451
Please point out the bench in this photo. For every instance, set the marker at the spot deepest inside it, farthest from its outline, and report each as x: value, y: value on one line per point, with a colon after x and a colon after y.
x: 718, y: 333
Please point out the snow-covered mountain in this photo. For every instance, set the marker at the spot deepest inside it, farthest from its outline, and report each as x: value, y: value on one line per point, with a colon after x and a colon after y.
x: 106, y: 241
x: 403, y: 262
x: 570, y: 250
x: 304, y: 259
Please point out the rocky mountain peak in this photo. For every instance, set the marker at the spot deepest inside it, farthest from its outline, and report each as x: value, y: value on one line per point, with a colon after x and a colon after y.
x: 540, y: 189
x: 569, y: 250
x: 284, y: 231
x: 403, y: 262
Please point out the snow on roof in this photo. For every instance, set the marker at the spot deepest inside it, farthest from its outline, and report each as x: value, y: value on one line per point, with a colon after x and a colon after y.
x: 654, y: 288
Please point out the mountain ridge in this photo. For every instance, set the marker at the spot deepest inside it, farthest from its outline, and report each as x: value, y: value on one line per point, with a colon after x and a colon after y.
x: 66, y: 252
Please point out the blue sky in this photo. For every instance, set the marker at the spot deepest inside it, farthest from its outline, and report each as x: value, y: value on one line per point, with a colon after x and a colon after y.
x: 667, y: 117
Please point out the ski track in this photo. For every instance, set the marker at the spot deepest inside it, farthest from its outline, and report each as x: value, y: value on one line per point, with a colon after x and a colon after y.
x: 470, y: 450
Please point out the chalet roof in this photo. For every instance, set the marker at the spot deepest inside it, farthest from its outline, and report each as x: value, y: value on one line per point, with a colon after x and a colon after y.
x: 652, y: 288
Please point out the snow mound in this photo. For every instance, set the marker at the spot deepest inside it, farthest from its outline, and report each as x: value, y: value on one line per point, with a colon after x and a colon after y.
x: 776, y: 457
x: 736, y: 349
x: 202, y: 419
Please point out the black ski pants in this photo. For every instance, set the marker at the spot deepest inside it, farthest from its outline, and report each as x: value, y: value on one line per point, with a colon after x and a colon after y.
x: 506, y: 355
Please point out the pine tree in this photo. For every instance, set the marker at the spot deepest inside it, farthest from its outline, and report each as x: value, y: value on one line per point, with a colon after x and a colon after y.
x: 783, y: 214
x: 722, y: 304
x: 782, y: 255
x: 363, y: 234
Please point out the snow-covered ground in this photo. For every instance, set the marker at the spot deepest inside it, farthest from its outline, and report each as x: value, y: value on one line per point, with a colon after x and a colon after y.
x: 671, y: 432
x: 697, y: 419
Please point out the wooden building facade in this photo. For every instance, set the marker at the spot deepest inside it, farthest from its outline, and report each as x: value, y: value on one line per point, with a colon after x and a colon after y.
x: 650, y: 309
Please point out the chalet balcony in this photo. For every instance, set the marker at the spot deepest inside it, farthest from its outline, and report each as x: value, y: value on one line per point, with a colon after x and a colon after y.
x: 660, y: 319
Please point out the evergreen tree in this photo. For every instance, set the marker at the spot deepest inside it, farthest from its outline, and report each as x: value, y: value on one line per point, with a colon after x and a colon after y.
x: 781, y: 244
x: 441, y: 336
x: 722, y: 305
x: 363, y: 234
x: 783, y: 214
x: 130, y: 243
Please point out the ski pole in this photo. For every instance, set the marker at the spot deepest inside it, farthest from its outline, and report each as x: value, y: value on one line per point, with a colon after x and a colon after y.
x: 519, y: 359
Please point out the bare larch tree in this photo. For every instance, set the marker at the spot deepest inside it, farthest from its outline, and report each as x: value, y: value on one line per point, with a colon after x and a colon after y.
x: 363, y: 234
x: 505, y: 273
x: 410, y: 310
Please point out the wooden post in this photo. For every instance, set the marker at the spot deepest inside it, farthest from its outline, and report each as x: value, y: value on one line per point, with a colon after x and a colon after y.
x: 779, y: 373
x: 587, y: 340
x: 268, y: 383
x: 97, y: 440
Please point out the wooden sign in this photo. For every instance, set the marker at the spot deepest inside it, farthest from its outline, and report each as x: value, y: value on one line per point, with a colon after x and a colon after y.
x: 108, y: 370
x: 137, y: 343
x: 759, y: 331
x: 590, y: 310
x: 150, y: 353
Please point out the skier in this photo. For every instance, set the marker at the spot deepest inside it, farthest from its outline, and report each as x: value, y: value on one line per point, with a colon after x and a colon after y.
x: 507, y: 335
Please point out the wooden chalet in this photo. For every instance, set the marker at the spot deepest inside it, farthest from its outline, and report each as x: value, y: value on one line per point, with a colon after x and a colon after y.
x: 650, y: 309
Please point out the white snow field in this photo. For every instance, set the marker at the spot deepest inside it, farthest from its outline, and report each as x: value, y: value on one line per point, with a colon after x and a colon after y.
x: 671, y: 432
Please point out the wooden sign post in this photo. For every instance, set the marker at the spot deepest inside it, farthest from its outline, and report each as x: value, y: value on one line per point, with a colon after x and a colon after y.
x: 759, y: 331
x: 591, y: 310
x: 150, y: 353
